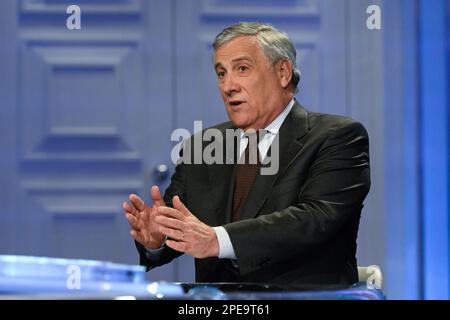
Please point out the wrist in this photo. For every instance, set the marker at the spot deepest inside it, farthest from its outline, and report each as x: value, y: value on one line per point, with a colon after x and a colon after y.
x: 156, y: 244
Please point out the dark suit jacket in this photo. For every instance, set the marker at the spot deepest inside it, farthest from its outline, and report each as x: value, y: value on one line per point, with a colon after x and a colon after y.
x: 298, y: 226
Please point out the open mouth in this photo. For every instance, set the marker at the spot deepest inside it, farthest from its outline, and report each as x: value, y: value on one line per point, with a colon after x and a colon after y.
x: 235, y: 103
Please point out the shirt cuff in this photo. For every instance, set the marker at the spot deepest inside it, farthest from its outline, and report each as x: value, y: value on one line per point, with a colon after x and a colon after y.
x: 154, y: 254
x: 226, y: 250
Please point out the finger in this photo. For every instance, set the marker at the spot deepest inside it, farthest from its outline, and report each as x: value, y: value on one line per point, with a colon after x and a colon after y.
x: 155, y: 194
x: 137, y: 202
x: 171, y: 212
x: 129, y: 208
x: 172, y: 233
x: 136, y: 235
x: 132, y: 221
x: 170, y: 222
x: 177, y: 204
x: 176, y: 245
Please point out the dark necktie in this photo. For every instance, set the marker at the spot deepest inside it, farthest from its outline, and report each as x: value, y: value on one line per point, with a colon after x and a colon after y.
x: 245, y: 174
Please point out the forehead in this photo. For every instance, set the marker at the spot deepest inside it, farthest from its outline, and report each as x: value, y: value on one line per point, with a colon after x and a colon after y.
x: 243, y: 46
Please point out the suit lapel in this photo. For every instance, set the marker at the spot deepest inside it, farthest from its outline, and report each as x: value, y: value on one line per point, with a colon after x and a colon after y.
x: 294, y: 127
x: 222, y: 184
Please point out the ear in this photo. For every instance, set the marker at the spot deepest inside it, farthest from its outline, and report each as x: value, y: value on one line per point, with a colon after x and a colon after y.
x: 285, y: 72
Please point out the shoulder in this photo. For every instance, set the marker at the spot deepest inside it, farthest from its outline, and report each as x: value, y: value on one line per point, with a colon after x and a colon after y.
x: 330, y: 124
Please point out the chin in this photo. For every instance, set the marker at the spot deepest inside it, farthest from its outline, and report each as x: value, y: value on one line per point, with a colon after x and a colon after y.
x: 239, y: 123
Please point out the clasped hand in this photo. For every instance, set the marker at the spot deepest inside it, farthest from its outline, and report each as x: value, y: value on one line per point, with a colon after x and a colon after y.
x: 151, y: 225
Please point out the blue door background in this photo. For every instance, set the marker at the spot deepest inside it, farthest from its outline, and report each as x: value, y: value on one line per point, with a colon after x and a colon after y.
x: 86, y: 117
x: 83, y: 124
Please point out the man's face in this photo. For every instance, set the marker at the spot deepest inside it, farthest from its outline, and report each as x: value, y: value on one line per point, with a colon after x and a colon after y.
x: 251, y: 88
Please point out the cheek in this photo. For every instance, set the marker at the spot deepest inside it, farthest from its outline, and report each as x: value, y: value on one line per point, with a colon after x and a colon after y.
x: 222, y: 93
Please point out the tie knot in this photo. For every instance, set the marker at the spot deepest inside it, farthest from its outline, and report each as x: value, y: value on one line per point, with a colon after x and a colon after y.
x: 255, y: 136
x: 251, y: 154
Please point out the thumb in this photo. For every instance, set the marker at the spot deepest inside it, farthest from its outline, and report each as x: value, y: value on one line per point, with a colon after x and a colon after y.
x: 155, y: 194
x: 177, y: 204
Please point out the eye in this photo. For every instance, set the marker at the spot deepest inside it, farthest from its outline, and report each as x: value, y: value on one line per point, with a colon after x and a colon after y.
x: 242, y: 68
x: 220, y: 74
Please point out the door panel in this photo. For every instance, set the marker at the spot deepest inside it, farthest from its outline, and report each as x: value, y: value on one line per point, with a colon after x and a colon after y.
x: 91, y: 121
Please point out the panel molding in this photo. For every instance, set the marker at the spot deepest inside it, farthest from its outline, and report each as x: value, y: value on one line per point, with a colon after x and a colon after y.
x: 89, y: 7
x: 122, y: 186
x: 309, y: 58
x: 219, y: 9
x: 40, y: 132
x: 74, y: 199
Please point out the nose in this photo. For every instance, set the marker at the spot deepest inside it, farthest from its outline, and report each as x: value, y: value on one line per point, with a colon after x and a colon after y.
x: 230, y: 86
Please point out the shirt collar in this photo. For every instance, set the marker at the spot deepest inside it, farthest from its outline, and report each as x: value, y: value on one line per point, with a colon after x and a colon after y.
x: 275, y: 125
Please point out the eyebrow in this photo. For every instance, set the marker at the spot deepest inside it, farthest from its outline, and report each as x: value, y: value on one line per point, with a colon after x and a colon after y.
x: 241, y: 59
x: 244, y: 58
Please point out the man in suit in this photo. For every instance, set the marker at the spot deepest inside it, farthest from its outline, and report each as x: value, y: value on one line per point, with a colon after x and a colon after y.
x: 295, y: 226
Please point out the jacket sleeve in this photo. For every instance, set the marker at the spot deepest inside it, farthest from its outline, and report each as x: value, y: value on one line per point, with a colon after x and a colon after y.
x: 336, y: 185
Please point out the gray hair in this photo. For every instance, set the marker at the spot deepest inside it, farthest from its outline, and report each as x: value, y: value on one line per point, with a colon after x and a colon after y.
x: 275, y: 45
